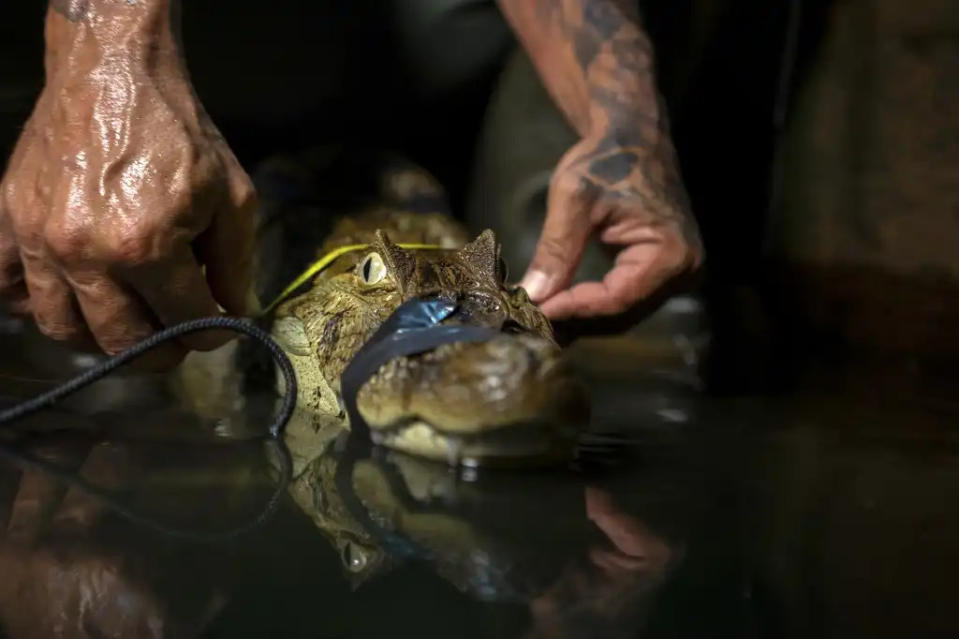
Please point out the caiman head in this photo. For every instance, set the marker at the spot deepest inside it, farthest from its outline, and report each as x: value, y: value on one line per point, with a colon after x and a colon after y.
x: 510, y: 399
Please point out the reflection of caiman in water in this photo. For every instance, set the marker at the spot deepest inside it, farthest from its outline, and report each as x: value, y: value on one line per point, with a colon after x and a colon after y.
x: 511, y: 398
x: 388, y: 508
x: 72, y: 571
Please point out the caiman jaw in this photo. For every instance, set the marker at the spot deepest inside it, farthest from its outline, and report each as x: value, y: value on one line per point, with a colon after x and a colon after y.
x: 512, y: 398
x: 475, y: 399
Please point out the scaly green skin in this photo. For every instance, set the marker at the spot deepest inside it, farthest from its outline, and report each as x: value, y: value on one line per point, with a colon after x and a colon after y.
x: 511, y: 398
x: 493, y: 392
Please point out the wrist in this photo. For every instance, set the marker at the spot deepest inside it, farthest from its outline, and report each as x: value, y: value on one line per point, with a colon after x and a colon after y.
x: 87, y: 35
x: 633, y: 124
x: 621, y: 83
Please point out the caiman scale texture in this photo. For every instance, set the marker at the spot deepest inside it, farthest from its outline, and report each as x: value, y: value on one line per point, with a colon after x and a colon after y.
x: 510, y: 399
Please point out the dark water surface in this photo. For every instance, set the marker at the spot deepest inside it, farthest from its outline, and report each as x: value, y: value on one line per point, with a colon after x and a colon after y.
x: 813, y: 515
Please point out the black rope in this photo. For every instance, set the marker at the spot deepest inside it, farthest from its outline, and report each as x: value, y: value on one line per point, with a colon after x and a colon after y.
x: 274, y: 432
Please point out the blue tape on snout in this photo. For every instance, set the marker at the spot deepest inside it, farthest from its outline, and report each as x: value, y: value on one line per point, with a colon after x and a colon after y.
x: 414, y: 327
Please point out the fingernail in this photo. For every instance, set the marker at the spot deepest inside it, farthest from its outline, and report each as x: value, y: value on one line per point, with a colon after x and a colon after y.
x: 535, y: 283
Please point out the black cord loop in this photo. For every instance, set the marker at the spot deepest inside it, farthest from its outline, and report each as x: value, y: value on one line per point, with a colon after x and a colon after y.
x: 275, y: 430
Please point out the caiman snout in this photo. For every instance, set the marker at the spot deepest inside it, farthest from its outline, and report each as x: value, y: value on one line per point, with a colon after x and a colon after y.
x: 480, y: 309
x: 512, y: 397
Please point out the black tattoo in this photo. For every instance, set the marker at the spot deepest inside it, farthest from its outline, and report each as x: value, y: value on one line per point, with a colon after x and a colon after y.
x: 607, y: 22
x: 614, y: 168
x: 621, y: 109
x: 634, y: 54
x: 72, y: 10
x: 635, y: 159
x: 603, y: 17
x: 586, y: 50
x: 631, y: 159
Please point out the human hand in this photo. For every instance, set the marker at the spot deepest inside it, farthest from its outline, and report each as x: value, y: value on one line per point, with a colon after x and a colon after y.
x: 624, y: 187
x: 635, y: 549
x: 118, y: 195
x: 61, y: 578
x: 609, y: 594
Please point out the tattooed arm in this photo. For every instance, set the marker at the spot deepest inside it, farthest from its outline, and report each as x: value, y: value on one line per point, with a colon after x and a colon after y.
x: 621, y: 181
x: 120, y: 190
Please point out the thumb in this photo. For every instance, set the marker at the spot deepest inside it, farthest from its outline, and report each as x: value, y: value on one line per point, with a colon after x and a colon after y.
x: 561, y: 243
x: 227, y: 253
x: 13, y: 289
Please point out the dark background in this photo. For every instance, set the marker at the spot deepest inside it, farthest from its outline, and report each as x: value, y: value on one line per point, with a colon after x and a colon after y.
x: 294, y: 73
x: 291, y: 74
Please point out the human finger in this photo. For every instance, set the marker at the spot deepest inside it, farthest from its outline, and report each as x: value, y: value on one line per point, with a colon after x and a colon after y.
x: 563, y: 239
x: 638, y: 272
x: 38, y: 493
x: 13, y: 286
x: 108, y: 467
x: 118, y: 319
x: 226, y: 247
x: 176, y: 291
x: 52, y: 302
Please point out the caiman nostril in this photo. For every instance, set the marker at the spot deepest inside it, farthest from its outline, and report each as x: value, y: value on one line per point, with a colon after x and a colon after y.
x: 481, y: 309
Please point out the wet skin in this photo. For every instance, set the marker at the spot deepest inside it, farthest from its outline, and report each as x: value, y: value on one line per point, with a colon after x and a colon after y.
x: 122, y: 209
x: 621, y: 181
x: 62, y: 577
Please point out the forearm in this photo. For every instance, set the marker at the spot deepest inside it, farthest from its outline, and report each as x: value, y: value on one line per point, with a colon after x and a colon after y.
x: 594, y: 59
x: 112, y: 61
x: 85, y: 34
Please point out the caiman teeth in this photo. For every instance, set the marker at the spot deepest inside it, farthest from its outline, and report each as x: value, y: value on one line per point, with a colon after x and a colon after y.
x: 528, y: 442
x: 442, y: 351
x: 469, y: 387
x: 394, y: 367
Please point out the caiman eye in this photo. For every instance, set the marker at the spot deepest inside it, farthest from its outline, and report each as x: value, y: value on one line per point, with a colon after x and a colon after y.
x: 372, y: 269
x: 354, y: 558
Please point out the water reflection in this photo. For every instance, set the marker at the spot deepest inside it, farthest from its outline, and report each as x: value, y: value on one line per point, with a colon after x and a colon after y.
x: 686, y: 516
x: 67, y: 572
x: 388, y: 508
x: 568, y: 551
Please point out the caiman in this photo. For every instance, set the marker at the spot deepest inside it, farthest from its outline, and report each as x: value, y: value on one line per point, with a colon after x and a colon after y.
x: 512, y: 399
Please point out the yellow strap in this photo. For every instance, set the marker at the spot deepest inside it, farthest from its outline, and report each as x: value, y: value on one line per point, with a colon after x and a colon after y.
x: 325, y: 261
